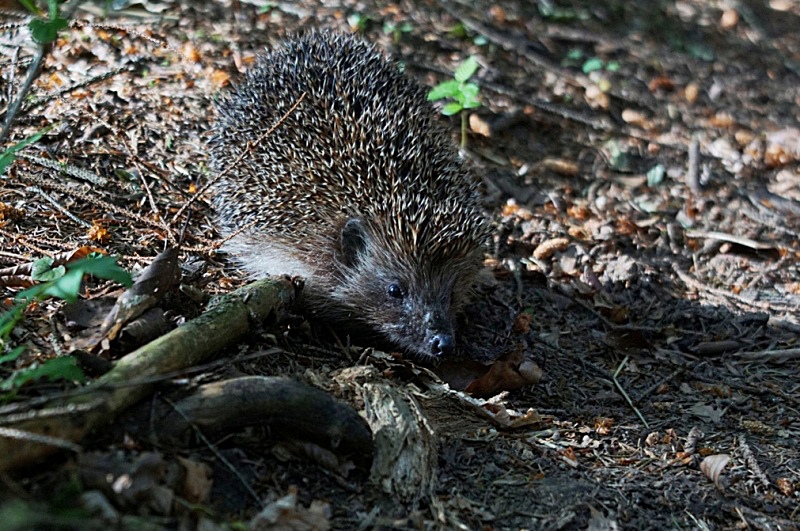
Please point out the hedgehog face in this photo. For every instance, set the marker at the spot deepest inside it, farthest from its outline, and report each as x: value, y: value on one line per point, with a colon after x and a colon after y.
x: 411, y: 306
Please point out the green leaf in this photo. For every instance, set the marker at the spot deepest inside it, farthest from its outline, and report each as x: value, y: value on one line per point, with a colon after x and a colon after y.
x: 446, y: 89
x: 458, y: 31
x: 8, y: 155
x: 9, y: 319
x: 466, y: 69
x: 62, y: 368
x: 656, y: 175
x: 102, y: 266
x: 452, y: 108
x: 470, y: 91
x: 43, y: 270
x: 66, y: 287
x: 613, y: 66
x: 595, y: 63
x: 13, y: 355
x: 46, y: 31
x: 575, y: 53
x: 31, y: 294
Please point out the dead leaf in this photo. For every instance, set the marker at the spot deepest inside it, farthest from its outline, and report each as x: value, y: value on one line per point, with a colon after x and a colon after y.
x: 98, y: 233
x: 562, y: 166
x: 507, y: 373
x: 286, y: 515
x: 713, y: 465
x: 548, y: 248
x: 660, y: 83
x: 707, y: 412
x: 522, y: 324
x: 197, y: 482
x: 152, y: 283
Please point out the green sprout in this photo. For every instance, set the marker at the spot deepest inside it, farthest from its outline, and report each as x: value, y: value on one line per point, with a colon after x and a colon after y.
x: 63, y: 282
x: 464, y: 95
x: 396, y: 29
x: 44, y: 30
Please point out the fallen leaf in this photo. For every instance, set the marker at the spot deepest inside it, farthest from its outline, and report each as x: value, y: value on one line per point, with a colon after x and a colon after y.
x: 197, y: 482
x: 285, y: 513
x: 507, y: 373
x: 713, y: 465
x: 548, y: 248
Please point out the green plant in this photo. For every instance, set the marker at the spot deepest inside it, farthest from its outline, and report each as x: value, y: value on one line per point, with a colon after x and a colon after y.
x: 463, y: 94
x: 396, y: 30
x: 44, y: 30
x: 358, y: 22
x: 575, y: 57
x: 63, y: 282
x: 9, y: 154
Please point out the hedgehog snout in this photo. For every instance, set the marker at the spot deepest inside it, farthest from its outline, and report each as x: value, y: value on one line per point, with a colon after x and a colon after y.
x: 438, y: 334
x: 442, y: 345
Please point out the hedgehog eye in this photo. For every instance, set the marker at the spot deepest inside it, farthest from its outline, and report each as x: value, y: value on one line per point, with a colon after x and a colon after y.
x: 395, y: 291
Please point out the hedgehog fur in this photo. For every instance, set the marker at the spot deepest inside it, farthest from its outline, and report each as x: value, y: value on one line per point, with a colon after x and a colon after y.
x: 358, y: 189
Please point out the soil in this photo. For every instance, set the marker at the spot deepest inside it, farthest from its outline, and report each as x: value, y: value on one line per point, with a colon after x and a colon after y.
x: 641, y: 164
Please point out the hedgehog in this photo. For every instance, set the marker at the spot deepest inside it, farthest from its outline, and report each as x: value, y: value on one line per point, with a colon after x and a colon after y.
x: 333, y: 167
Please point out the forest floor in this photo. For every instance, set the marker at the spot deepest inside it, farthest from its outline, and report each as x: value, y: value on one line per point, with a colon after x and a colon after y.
x: 641, y: 165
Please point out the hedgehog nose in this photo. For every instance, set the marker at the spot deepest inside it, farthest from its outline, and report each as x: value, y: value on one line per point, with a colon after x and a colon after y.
x: 442, y: 345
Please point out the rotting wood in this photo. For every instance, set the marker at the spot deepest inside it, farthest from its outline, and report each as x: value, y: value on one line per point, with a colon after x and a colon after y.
x: 293, y: 410
x: 222, y: 324
x: 406, y: 446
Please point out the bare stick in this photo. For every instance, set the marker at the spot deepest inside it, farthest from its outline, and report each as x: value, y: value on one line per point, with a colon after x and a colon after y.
x: 33, y: 71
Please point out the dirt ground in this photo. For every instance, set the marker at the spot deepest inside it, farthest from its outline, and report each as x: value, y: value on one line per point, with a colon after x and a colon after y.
x: 641, y: 165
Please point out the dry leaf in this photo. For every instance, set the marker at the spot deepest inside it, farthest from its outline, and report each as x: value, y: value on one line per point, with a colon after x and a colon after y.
x: 548, y: 248
x: 197, y: 482
x: 713, y: 465
x: 561, y: 166
x: 660, y: 83
x: 509, y: 372
x: 286, y: 514
x: 152, y: 283
x: 98, y: 233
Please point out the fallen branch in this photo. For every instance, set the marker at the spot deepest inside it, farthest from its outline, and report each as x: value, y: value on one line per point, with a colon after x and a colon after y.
x: 132, y: 379
x: 291, y: 409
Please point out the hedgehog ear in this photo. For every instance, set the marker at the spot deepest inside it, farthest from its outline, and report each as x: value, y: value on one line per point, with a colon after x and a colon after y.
x: 353, y: 240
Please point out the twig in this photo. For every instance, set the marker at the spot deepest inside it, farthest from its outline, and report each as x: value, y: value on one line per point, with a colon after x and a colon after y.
x: 24, y: 241
x: 752, y: 463
x: 149, y: 193
x: 97, y: 202
x: 235, y: 471
x: 693, y: 171
x: 27, y: 436
x: 58, y: 206
x: 727, y: 296
x: 85, y: 83
x: 33, y: 71
x: 244, y: 152
x: 776, y: 355
x: 72, y: 171
x: 731, y: 238
x: 624, y: 394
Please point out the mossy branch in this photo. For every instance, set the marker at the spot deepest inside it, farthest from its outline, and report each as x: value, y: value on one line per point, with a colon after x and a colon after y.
x: 133, y: 377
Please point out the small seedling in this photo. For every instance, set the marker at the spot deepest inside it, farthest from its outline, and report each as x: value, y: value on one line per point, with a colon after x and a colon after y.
x: 358, y: 22
x: 591, y: 64
x: 44, y: 30
x: 396, y: 30
x: 463, y: 94
x: 62, y: 282
x: 8, y: 156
